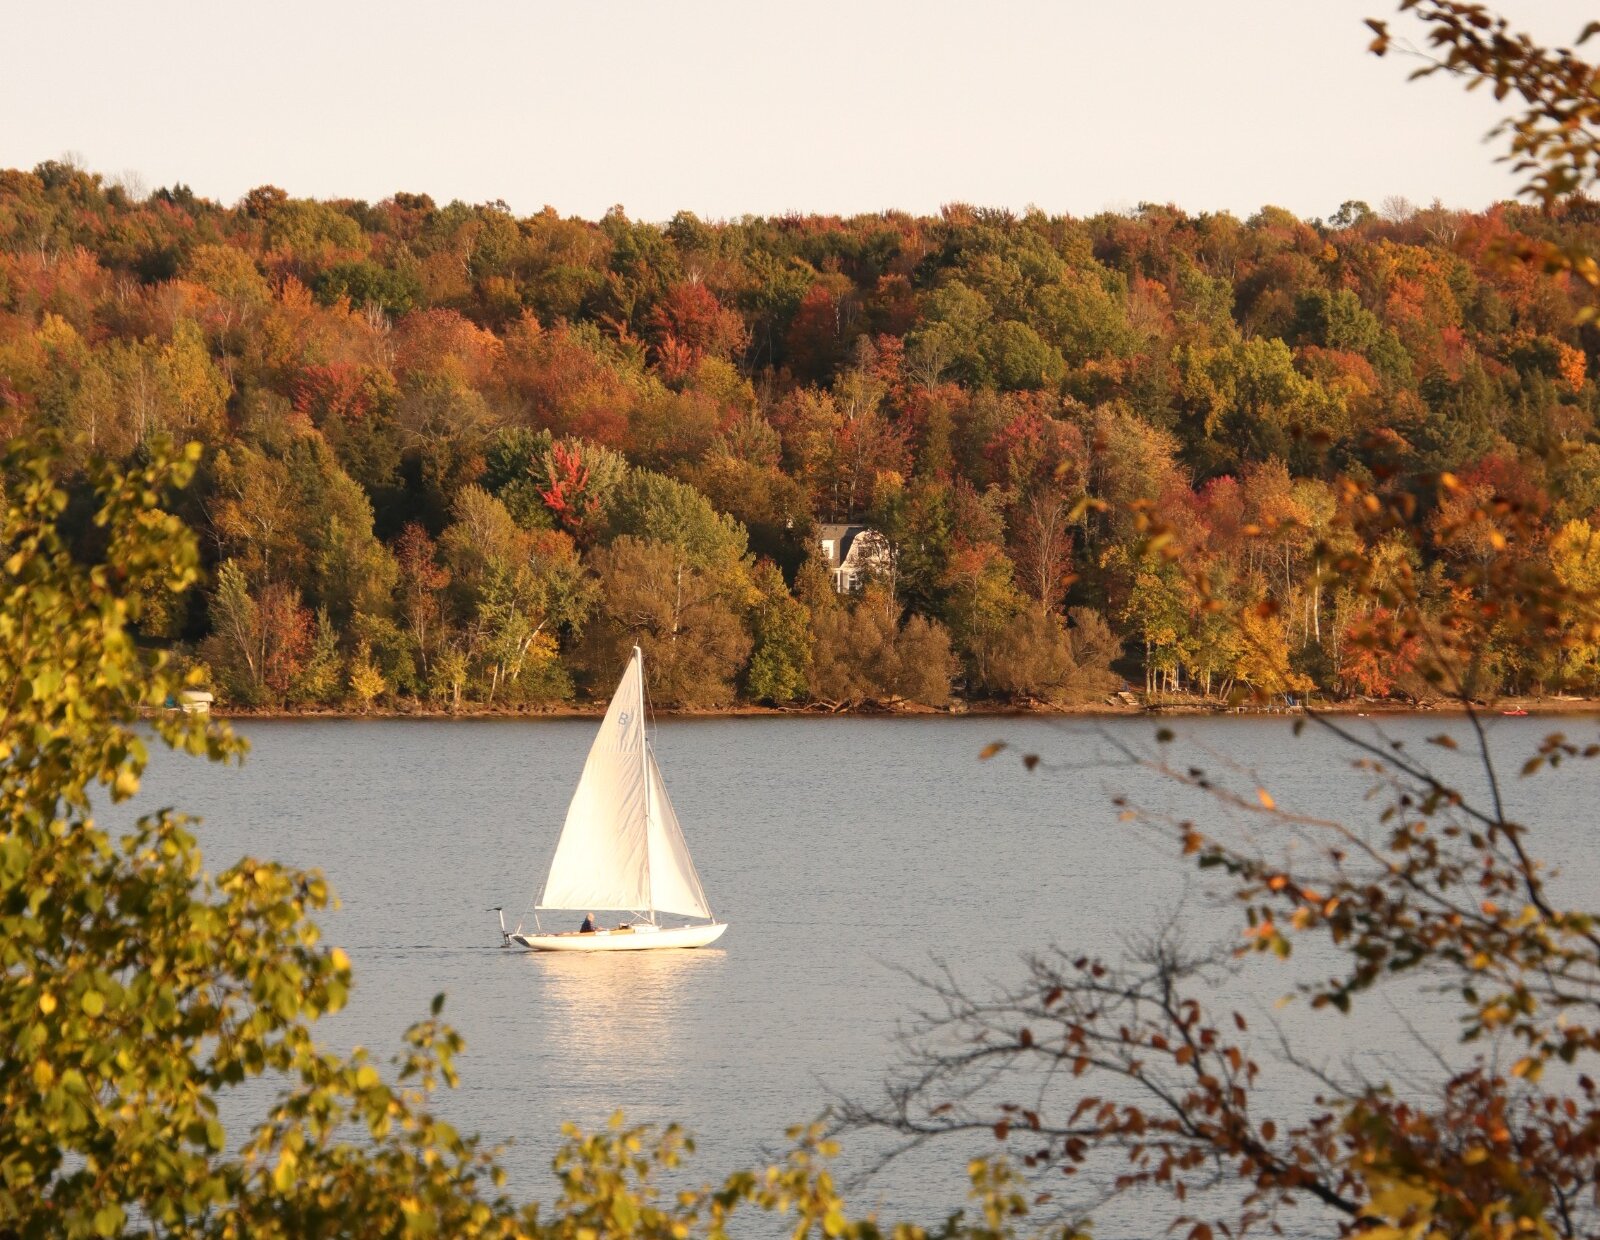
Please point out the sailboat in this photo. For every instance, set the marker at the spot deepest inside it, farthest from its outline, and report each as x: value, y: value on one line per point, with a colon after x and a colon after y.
x: 621, y: 846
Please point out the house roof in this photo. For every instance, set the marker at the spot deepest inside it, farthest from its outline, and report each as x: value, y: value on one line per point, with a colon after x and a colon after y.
x: 843, y: 538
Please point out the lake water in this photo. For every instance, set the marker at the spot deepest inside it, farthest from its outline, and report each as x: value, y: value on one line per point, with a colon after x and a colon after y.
x: 845, y: 852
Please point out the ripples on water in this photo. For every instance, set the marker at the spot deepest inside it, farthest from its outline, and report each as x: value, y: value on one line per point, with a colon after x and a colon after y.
x: 843, y: 852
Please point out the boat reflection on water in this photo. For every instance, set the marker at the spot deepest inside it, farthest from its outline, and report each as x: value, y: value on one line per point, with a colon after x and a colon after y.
x: 617, y: 1023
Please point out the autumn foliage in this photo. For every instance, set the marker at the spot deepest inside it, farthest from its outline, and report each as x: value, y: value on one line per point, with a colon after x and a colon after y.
x: 427, y: 426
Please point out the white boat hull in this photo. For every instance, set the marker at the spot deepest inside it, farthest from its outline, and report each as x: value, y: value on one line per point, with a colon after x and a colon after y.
x: 631, y: 939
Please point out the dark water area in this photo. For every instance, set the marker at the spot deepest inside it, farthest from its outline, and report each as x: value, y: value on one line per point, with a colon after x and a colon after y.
x: 848, y: 855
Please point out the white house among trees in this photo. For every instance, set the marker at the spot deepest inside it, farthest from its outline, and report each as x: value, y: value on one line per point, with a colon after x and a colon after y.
x: 853, y: 553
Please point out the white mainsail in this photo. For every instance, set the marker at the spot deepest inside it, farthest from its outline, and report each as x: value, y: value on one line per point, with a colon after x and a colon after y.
x: 621, y: 846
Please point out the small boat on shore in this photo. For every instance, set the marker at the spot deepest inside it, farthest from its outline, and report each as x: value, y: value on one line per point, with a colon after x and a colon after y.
x: 621, y: 847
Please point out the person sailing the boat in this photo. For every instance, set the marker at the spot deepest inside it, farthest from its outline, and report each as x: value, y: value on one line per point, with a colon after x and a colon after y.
x: 590, y: 925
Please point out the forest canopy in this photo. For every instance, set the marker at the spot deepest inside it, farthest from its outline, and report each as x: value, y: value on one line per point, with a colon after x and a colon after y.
x: 454, y: 456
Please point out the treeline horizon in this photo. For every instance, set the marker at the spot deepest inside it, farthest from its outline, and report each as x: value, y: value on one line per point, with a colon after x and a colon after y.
x: 458, y: 456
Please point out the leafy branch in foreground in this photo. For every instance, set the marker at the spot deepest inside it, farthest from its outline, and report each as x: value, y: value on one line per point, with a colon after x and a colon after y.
x: 139, y: 992
x: 1126, y: 1075
x: 1555, y: 139
x: 1555, y: 136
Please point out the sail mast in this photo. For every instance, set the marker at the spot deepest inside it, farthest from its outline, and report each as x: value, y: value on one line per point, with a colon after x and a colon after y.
x: 644, y: 769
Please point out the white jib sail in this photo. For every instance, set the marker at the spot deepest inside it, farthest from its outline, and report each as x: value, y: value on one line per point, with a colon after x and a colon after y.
x: 603, y: 857
x: 674, y: 886
x: 621, y: 846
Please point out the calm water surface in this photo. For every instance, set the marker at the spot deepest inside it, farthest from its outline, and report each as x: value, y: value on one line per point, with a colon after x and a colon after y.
x: 844, y: 853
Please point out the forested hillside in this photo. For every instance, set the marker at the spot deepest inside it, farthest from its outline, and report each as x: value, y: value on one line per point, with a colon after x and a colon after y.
x: 460, y: 457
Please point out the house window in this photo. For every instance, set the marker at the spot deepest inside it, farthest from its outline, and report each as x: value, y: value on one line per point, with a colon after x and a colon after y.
x: 827, y: 547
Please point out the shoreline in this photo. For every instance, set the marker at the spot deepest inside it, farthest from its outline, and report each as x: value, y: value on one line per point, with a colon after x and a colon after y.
x: 1541, y: 707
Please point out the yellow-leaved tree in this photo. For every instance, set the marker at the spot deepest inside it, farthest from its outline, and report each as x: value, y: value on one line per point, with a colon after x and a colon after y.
x: 139, y: 992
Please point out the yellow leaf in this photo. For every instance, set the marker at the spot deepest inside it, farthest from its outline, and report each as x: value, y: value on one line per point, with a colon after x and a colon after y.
x: 1266, y: 799
x: 93, y: 1002
x: 283, y: 1173
x: 989, y: 750
x: 339, y: 959
x: 1397, y: 1200
x: 367, y: 1077
x: 47, y: 1003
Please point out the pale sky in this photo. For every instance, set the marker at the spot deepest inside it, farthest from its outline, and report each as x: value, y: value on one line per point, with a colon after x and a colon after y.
x: 727, y: 108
